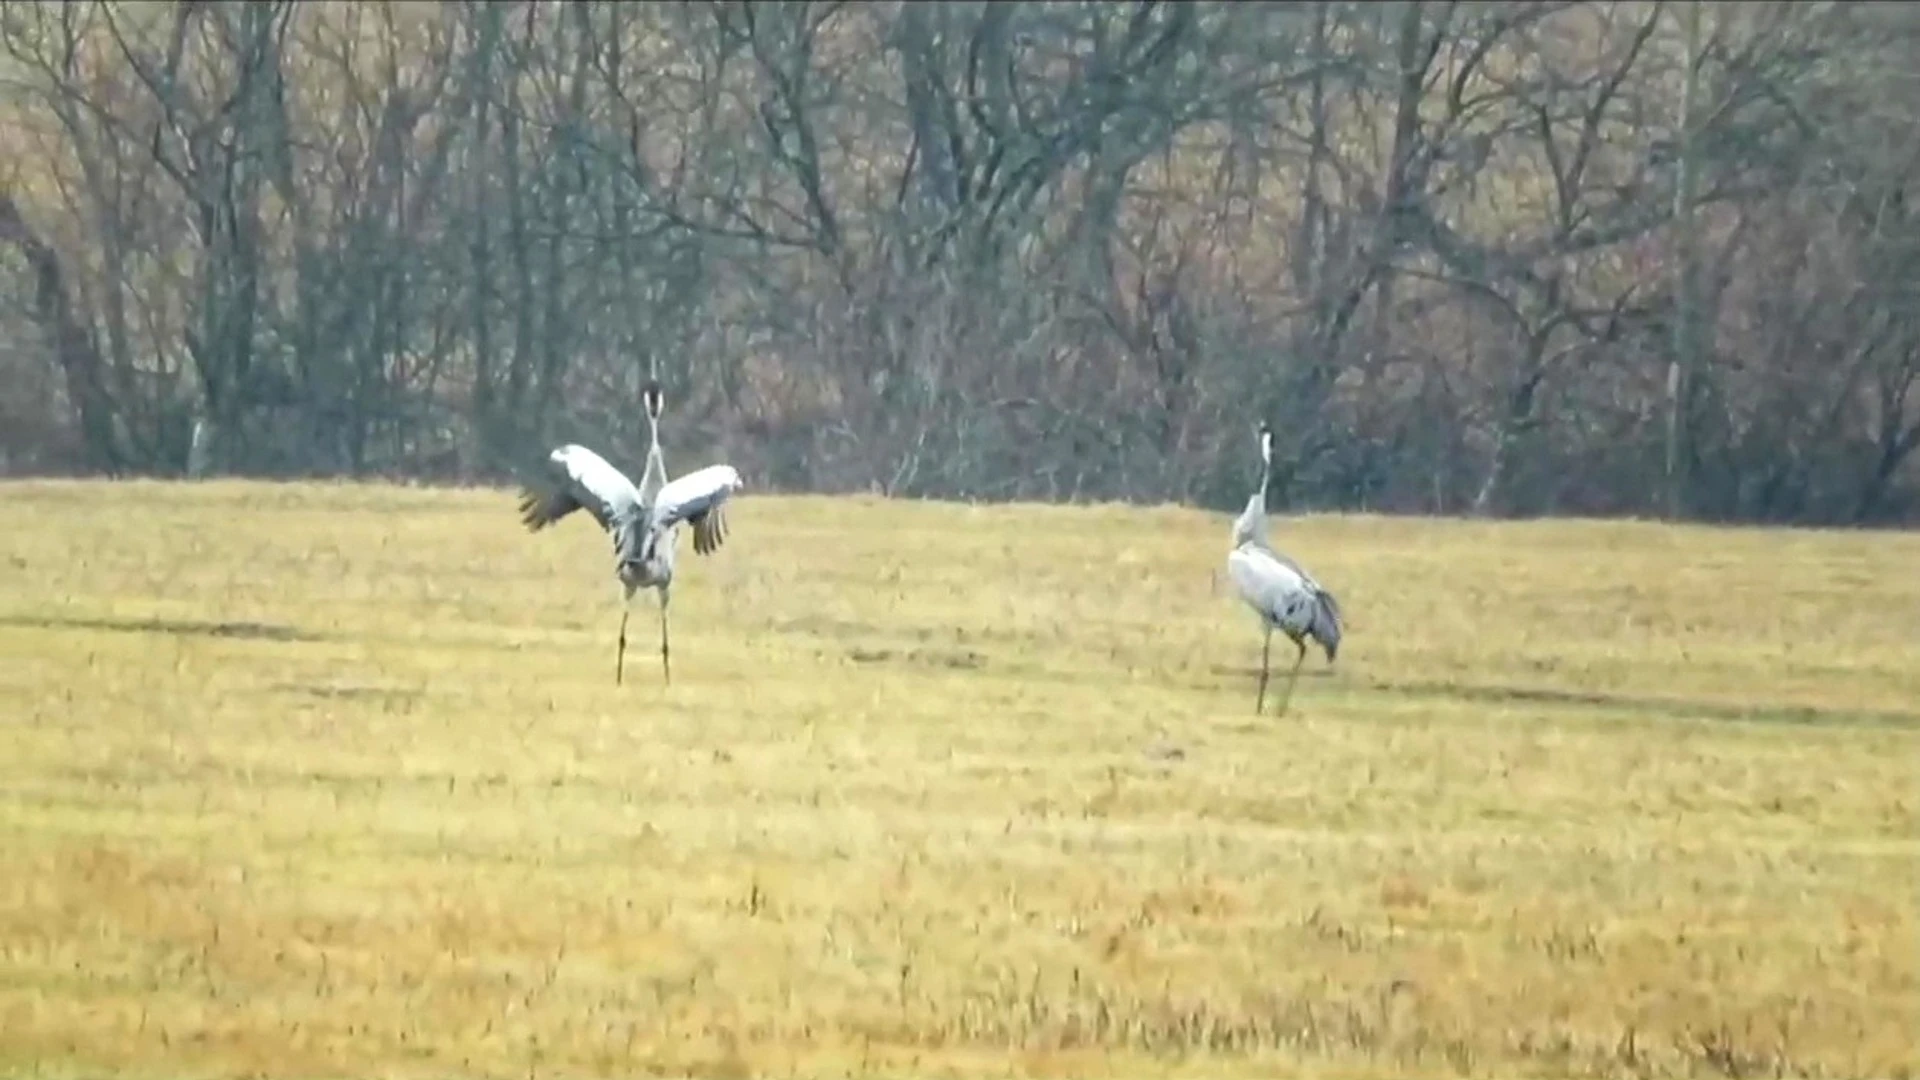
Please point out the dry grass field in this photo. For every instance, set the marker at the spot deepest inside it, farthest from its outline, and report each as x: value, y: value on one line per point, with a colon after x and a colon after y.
x: 303, y: 781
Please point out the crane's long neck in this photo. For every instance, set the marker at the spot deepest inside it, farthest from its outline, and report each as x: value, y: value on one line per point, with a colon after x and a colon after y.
x: 1251, y: 526
x: 655, y: 476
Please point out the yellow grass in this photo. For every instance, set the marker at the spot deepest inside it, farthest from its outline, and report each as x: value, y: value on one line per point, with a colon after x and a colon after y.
x: 940, y: 790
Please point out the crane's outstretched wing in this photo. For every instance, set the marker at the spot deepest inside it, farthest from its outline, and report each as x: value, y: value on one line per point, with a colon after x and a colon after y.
x: 576, y: 477
x: 697, y: 498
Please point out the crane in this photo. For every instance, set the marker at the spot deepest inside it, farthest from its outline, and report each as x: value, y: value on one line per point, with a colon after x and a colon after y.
x: 642, y: 521
x: 1280, y: 592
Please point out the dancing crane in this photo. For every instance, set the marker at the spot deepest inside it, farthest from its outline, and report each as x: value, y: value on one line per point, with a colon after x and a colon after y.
x: 640, y: 520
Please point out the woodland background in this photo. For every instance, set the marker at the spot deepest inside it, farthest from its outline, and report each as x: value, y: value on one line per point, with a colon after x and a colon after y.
x: 1495, y: 258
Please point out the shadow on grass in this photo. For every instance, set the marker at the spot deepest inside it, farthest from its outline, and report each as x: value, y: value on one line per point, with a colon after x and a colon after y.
x: 959, y: 659
x: 1674, y: 708
x: 390, y: 697
x: 1644, y: 705
x: 1309, y: 670
x: 253, y: 631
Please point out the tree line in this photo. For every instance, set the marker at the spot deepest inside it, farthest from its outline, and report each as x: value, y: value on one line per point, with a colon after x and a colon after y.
x: 1495, y: 258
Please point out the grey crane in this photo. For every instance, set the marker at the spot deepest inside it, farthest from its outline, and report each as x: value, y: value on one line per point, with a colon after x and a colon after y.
x: 1280, y: 592
x: 642, y: 521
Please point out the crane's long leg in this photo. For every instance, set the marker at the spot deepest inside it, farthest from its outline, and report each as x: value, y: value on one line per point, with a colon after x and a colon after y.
x: 1293, y: 677
x: 666, y: 666
x: 620, y: 656
x: 1266, y: 659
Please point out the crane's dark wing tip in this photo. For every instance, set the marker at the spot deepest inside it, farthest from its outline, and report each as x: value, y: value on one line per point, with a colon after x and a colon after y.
x: 709, y: 531
x: 539, y: 509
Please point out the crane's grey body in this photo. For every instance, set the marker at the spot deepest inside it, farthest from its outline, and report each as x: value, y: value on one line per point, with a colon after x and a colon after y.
x: 1280, y: 592
x: 641, y: 521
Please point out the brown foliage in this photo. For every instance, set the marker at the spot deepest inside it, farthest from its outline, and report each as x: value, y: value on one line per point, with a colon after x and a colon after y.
x: 1053, y: 251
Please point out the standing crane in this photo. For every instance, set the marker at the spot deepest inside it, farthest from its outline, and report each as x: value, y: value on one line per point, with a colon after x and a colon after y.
x: 641, y: 521
x: 1280, y: 592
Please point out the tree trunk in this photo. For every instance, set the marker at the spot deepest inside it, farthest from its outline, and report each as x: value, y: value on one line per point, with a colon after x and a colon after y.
x: 1683, y: 369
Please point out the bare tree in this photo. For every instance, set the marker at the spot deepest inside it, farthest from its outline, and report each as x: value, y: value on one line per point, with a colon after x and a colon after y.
x: 1459, y: 255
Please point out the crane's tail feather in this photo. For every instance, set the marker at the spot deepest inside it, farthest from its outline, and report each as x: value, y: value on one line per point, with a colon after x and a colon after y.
x: 1326, y: 627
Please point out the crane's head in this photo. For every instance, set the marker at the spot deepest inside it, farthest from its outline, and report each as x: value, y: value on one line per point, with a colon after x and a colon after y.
x: 650, y: 397
x: 1266, y: 444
